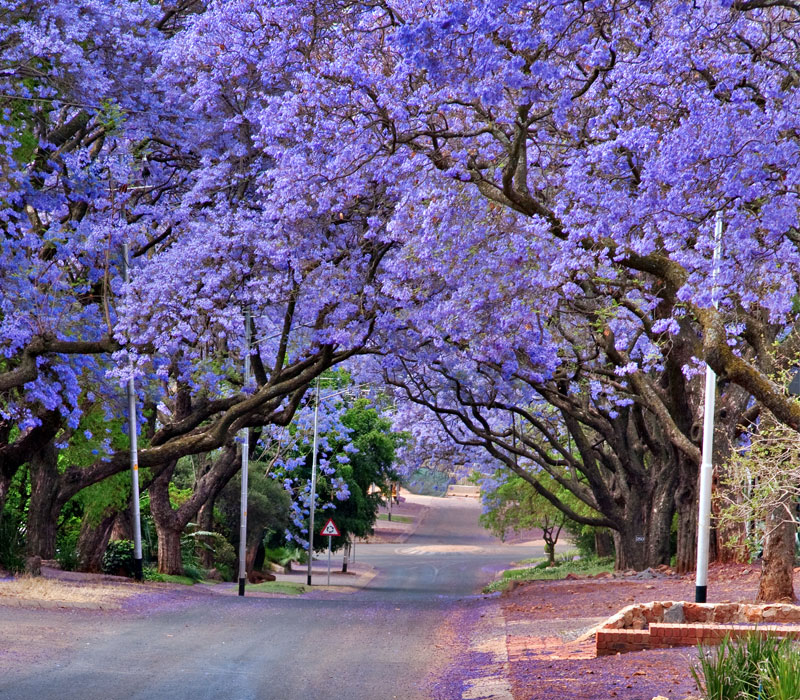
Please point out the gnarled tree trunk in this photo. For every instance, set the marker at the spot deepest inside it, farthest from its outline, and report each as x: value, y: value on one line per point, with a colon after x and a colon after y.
x: 93, y: 540
x: 168, y: 526
x: 603, y: 543
x: 45, y: 505
x: 776, y: 575
x: 170, y: 523
x: 687, y: 509
x: 169, y: 551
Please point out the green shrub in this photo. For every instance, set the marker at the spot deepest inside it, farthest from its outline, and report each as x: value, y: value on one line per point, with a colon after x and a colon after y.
x: 67, y: 544
x: 225, y: 571
x: 280, y: 555
x: 151, y: 574
x: 118, y: 558
x: 222, y: 551
x: 194, y: 572
x: 67, y: 557
x: 781, y: 680
x: 755, y: 667
x: 12, y: 546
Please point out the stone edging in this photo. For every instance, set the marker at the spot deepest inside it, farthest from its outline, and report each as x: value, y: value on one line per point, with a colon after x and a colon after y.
x: 658, y: 625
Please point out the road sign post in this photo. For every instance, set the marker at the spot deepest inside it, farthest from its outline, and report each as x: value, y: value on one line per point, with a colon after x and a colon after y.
x: 329, y: 559
x: 313, y: 505
x: 330, y: 530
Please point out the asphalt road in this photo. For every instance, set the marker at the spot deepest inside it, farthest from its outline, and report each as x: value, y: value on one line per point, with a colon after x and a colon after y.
x: 389, y: 640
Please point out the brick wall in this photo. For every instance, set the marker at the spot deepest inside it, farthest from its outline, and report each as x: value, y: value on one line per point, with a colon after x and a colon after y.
x: 703, y: 625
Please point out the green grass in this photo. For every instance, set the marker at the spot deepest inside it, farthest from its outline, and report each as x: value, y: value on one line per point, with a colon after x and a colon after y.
x: 170, y: 578
x: 767, y: 668
x: 285, y: 587
x: 396, y: 518
x: 541, y: 572
x: 561, y: 558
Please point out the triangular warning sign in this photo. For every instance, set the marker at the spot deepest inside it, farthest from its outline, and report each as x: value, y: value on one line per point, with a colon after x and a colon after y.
x: 330, y: 529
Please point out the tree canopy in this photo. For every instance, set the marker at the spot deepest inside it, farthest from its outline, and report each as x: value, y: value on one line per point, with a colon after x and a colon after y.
x: 505, y: 211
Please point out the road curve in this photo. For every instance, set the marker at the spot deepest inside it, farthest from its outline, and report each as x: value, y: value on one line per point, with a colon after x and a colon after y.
x: 389, y: 640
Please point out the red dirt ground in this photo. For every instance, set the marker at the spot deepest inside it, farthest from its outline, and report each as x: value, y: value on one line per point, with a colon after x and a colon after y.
x: 543, y: 619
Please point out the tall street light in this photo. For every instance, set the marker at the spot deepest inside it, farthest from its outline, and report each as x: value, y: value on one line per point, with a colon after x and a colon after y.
x: 245, y: 464
x: 707, y: 466
x: 312, y: 507
x: 132, y: 431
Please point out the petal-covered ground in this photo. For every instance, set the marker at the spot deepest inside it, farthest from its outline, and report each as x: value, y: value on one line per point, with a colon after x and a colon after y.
x: 551, y: 648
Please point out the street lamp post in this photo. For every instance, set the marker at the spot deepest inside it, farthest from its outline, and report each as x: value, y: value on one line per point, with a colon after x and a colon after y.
x: 133, y: 430
x: 313, y: 488
x: 314, y: 474
x: 707, y: 467
x: 245, y: 465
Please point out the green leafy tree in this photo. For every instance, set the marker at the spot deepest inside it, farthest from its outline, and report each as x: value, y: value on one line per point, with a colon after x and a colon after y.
x: 367, y: 474
x: 513, y: 505
x: 268, y: 508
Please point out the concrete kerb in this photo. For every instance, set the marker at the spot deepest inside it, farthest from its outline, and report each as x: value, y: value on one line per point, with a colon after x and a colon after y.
x: 8, y: 601
x: 357, y: 577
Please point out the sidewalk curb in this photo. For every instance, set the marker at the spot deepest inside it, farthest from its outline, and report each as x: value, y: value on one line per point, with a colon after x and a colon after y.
x: 489, y: 637
x: 53, y: 604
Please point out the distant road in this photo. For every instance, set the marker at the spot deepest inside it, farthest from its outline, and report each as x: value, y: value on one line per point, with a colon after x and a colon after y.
x: 389, y: 640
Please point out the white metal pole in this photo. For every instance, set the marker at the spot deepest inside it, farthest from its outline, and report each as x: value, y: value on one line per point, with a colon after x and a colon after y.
x: 312, y: 505
x: 329, y: 559
x: 245, y: 464
x: 134, y: 448
x: 707, y: 466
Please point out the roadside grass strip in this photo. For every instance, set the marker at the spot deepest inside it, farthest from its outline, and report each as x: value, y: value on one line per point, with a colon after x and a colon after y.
x: 396, y: 518
x: 37, y: 589
x: 542, y: 572
x: 171, y: 578
x: 284, y: 587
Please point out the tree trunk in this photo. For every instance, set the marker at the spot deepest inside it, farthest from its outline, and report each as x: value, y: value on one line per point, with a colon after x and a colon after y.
x: 165, y: 519
x: 659, y: 523
x: 644, y: 539
x: 93, y: 540
x: 15, y: 455
x: 169, y: 551
x: 122, y: 528
x: 44, y: 506
x: 206, y: 487
x: 628, y: 552
x: 730, y: 538
x: 550, y: 551
x: 686, y: 554
x: 205, y: 521
x: 776, y: 575
x: 250, y: 557
x: 5, y: 485
x: 686, y: 506
x: 345, y: 556
x: 603, y: 543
